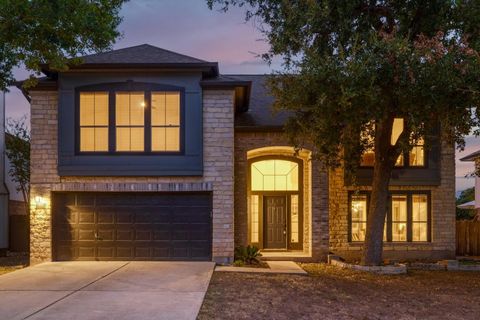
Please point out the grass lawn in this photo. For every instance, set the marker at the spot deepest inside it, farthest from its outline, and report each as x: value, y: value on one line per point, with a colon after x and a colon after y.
x: 12, y: 263
x: 331, y: 293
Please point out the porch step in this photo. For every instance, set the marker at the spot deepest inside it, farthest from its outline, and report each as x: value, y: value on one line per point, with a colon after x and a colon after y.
x: 286, y: 256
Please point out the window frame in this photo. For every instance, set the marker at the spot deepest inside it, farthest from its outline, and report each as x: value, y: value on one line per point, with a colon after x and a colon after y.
x: 408, y: 194
x: 129, y: 86
x: 406, y: 157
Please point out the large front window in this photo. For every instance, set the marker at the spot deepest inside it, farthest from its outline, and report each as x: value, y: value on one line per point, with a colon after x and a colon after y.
x: 407, y: 219
x: 129, y: 121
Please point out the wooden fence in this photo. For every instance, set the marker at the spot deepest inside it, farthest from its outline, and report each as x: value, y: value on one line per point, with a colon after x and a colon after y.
x: 468, y: 238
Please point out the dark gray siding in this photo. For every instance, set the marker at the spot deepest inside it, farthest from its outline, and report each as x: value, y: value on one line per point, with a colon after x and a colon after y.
x: 187, y: 164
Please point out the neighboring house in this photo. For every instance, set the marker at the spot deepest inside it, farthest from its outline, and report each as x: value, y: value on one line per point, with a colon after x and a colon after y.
x: 473, y: 205
x: 142, y: 153
x: 19, y: 230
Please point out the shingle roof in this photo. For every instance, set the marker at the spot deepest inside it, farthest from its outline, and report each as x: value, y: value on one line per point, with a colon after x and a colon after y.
x: 471, y: 156
x: 140, y: 54
x: 260, y: 112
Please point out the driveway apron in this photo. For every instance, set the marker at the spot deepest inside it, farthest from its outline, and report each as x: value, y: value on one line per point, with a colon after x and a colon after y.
x: 105, y: 290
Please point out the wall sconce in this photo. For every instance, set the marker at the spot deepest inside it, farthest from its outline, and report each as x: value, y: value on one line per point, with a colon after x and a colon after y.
x: 40, y: 203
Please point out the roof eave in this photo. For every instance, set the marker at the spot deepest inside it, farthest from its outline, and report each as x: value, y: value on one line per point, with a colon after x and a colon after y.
x: 209, y: 69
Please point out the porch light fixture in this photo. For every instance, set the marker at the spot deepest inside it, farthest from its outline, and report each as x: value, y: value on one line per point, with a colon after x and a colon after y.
x: 40, y: 202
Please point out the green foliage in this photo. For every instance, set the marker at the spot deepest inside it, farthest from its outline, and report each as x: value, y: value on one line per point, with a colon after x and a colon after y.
x: 352, y: 66
x: 52, y: 32
x: 247, y: 255
x: 466, y: 195
x: 351, y: 62
x: 17, y: 141
x: 238, y: 263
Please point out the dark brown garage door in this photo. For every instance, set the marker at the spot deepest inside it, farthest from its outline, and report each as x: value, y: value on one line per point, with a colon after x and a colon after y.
x: 132, y: 226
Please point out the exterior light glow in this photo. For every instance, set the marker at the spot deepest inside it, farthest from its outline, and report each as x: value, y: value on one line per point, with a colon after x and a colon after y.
x: 40, y: 202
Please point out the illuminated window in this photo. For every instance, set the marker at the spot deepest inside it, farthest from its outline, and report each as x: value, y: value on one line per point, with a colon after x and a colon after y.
x: 130, y: 121
x: 294, y: 223
x: 165, y: 121
x: 419, y: 218
x: 399, y: 218
x: 406, y: 220
x: 254, y: 218
x: 140, y: 118
x: 274, y: 175
x: 416, y: 157
x: 93, y: 121
x: 359, y: 217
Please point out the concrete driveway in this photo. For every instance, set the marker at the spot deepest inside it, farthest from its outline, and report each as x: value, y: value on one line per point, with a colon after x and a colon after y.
x: 105, y: 290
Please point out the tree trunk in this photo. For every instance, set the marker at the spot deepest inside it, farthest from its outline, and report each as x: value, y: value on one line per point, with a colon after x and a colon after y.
x: 385, y: 158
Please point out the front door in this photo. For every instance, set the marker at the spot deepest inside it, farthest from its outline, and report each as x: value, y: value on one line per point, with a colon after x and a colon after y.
x: 275, y: 222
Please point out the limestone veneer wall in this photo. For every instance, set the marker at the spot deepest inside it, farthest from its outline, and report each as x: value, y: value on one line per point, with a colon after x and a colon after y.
x: 442, y: 245
x: 218, y: 137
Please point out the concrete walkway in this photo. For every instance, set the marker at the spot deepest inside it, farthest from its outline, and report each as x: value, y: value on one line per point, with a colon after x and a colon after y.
x: 105, y: 290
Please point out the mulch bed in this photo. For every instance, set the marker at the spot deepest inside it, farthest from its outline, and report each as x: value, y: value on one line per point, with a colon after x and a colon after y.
x: 333, y: 293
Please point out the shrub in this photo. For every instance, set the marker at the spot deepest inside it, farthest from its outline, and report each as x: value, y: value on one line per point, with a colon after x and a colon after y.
x: 248, y: 254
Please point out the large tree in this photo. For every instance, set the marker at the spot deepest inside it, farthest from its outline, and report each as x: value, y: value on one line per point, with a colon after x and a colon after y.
x: 353, y: 66
x: 36, y: 32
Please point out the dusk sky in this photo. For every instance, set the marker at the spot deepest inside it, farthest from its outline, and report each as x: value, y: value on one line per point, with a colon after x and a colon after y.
x: 189, y: 27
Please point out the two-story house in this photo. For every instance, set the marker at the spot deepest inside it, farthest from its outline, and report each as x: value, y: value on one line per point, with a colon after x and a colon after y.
x: 142, y: 153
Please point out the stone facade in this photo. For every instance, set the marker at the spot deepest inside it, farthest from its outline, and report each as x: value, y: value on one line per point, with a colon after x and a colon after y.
x: 226, y: 155
x: 442, y: 202
x: 218, y: 137
x: 254, y: 144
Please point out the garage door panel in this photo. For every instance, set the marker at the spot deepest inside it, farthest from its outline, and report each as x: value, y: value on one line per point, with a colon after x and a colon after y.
x: 86, y: 253
x: 81, y: 199
x: 105, y: 217
x: 106, y: 234
x: 132, y: 226
x: 143, y: 235
x: 106, y: 252
x: 125, y: 235
x: 85, y: 235
x: 142, y: 217
x: 162, y: 232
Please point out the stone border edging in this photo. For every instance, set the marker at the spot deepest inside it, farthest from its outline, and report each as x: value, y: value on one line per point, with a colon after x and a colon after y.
x: 276, y: 267
x: 384, y: 270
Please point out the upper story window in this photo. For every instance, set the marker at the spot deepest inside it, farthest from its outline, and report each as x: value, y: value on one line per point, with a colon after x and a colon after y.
x: 129, y: 121
x: 94, y: 121
x: 414, y: 158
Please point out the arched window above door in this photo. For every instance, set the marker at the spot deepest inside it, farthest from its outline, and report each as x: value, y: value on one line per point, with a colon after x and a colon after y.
x: 274, y: 175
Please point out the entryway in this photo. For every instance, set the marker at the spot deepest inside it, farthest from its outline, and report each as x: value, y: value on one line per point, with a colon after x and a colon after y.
x: 105, y: 290
x: 276, y: 203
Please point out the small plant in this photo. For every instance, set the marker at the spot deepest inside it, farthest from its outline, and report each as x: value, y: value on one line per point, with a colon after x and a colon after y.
x: 247, y: 255
x: 238, y: 263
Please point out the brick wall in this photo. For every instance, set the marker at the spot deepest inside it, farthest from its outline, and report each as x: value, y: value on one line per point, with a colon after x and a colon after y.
x: 249, y: 144
x: 218, y: 172
x: 442, y: 245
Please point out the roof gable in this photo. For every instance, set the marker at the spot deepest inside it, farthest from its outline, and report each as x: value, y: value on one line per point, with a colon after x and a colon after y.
x: 141, y: 54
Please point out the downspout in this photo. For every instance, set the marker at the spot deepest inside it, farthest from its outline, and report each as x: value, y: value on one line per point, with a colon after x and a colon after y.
x: 4, y: 221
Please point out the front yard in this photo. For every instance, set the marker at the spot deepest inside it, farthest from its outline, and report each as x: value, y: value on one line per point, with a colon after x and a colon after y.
x: 331, y: 293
